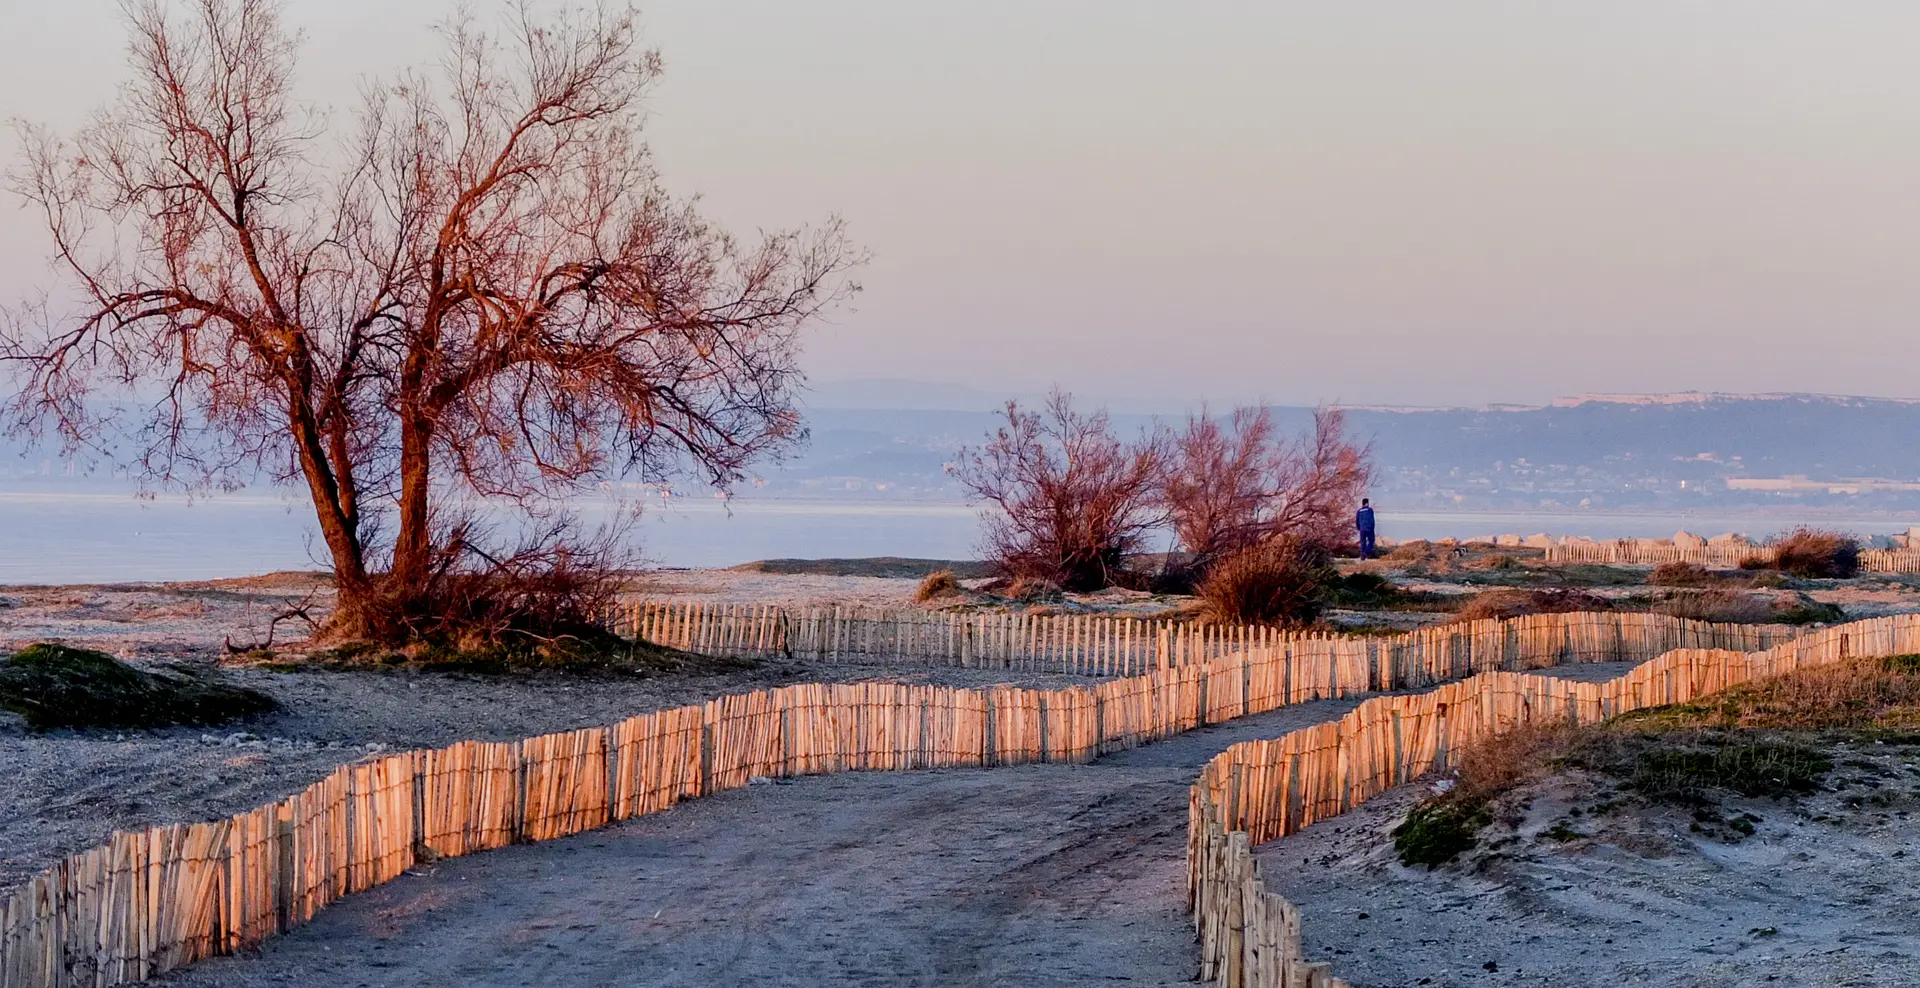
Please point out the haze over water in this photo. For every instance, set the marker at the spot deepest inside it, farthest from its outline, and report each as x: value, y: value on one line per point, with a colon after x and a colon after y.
x: 53, y: 538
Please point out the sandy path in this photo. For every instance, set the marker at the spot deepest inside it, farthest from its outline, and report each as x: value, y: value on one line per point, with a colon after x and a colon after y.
x: 1047, y: 875
x: 66, y: 791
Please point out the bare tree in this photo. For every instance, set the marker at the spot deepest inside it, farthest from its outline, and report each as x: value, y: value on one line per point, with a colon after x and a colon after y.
x: 1231, y: 489
x: 483, y: 291
x: 1067, y: 499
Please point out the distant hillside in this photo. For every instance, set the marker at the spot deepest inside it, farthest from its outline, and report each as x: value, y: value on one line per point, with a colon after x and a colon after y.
x: 1817, y: 435
x: 1605, y: 450
x: 1661, y: 452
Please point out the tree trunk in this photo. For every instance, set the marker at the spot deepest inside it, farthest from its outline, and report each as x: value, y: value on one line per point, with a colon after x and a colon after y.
x: 353, y: 589
x: 413, y: 543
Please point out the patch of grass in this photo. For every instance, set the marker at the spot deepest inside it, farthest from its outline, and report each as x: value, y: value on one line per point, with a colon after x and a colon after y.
x: 1679, y: 575
x: 1861, y: 694
x: 1806, y: 610
x: 54, y: 686
x: 603, y: 652
x: 1562, y: 833
x: 1766, y: 739
x: 1435, y: 833
x: 1717, y: 606
x: 1516, y: 603
x: 1368, y: 591
x: 1687, y: 767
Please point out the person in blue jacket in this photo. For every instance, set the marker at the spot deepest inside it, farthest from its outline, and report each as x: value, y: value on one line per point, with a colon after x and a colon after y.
x: 1363, y: 520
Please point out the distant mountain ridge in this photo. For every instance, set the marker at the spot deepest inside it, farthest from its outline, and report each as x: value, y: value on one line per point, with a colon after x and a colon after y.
x: 1658, y: 451
x: 1663, y: 452
x: 1665, y: 398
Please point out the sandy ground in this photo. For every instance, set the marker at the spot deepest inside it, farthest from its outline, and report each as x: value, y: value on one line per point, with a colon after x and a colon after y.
x: 1823, y: 893
x: 1047, y: 875
x: 1044, y: 875
x: 67, y: 791
x: 189, y: 620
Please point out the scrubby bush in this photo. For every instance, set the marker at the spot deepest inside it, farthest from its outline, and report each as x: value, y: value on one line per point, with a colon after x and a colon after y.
x: 938, y: 584
x: 54, y: 686
x: 1286, y: 583
x: 1068, y: 499
x: 1228, y: 490
x: 1812, y: 553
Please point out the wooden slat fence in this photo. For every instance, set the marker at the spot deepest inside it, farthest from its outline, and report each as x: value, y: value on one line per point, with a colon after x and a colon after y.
x: 151, y: 901
x: 1639, y: 552
x: 1100, y: 645
x: 1258, y: 791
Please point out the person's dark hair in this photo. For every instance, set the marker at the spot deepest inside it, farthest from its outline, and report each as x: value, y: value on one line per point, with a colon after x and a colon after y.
x: 1364, y: 502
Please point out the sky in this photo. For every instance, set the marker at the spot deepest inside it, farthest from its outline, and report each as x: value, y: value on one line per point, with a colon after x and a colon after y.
x: 1384, y: 203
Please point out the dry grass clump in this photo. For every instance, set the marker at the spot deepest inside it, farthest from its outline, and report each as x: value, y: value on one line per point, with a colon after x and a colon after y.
x: 1757, y: 740
x: 1033, y: 590
x: 1678, y: 574
x: 1518, y: 603
x: 1718, y: 606
x: 1811, y: 553
x: 54, y: 686
x: 1418, y: 551
x: 1855, y: 694
x: 938, y: 584
x: 1284, y: 583
x: 1443, y: 828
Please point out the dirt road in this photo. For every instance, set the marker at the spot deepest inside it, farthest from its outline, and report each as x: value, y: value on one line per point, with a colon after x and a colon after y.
x: 1049, y: 875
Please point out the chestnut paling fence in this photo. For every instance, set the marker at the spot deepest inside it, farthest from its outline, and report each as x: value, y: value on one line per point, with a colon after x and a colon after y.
x: 1261, y: 790
x: 1101, y: 645
x: 153, y: 900
x: 1642, y: 552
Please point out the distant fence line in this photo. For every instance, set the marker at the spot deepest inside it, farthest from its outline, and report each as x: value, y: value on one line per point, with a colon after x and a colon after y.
x: 1643, y: 552
x: 1258, y: 791
x: 1102, y: 645
x: 154, y: 900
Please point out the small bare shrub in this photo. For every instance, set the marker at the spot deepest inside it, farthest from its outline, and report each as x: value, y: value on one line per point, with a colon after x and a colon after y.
x: 1071, y: 501
x: 1812, y: 553
x: 543, y: 599
x: 938, y: 584
x: 1230, y: 489
x: 1286, y: 583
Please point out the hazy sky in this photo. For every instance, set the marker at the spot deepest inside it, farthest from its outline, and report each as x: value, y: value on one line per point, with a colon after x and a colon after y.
x: 1383, y: 202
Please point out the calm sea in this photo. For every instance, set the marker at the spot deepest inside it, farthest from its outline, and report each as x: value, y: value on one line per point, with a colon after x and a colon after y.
x: 48, y: 537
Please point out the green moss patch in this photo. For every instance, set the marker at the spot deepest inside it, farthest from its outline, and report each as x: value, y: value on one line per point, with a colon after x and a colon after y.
x: 54, y: 686
x: 1436, y: 832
